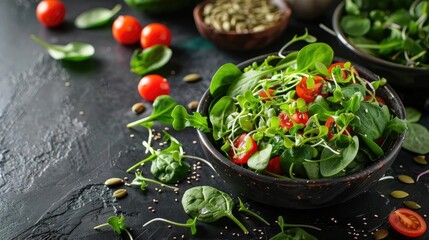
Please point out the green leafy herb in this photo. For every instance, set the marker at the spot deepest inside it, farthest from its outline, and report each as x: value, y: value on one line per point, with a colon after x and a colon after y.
x: 295, y: 233
x: 191, y: 223
x: 182, y: 119
x: 152, y: 58
x: 96, y: 17
x: 417, y: 137
x: 117, y: 224
x: 209, y: 204
x: 243, y: 208
x: 141, y: 181
x: 74, y: 51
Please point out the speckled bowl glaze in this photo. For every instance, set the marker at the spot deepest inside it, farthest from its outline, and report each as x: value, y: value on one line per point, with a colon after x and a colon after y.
x: 301, y: 194
x: 241, y: 41
x: 398, y: 75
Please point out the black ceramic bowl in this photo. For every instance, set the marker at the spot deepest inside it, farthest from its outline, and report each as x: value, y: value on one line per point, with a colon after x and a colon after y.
x: 301, y: 194
x: 398, y: 75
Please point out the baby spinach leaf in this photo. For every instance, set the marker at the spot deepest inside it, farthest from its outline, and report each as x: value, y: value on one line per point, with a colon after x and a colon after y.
x: 372, y: 145
x: 336, y: 164
x: 294, y: 234
x: 152, y: 58
x: 167, y: 169
x: 209, y: 204
x: 412, y: 114
x: 162, y: 108
x: 373, y: 120
x: 417, y: 138
x: 295, y: 156
x: 314, y: 53
x: 355, y: 26
x: 182, y: 119
x: 218, y: 116
x: 259, y: 160
x: 75, y: 51
x: 223, y: 77
x: 96, y: 17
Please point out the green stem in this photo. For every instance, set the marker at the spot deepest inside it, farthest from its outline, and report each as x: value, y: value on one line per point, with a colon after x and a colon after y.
x: 101, y: 226
x: 202, y: 160
x: 141, y: 162
x: 45, y: 44
x: 159, y: 183
x: 167, y: 221
x: 246, y: 210
x: 234, y: 219
x: 302, y: 225
x: 137, y: 123
x: 116, y: 9
x: 129, y: 234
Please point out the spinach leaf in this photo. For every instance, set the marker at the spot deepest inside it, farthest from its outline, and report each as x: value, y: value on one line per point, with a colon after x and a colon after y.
x: 336, y: 163
x: 167, y: 169
x: 412, y: 115
x: 223, y: 77
x: 96, y: 17
x: 209, y: 204
x: 314, y: 53
x: 294, y: 234
x: 152, y: 58
x: 294, y: 157
x: 162, y: 108
x: 373, y: 120
x: 355, y: 26
x: 259, y: 160
x: 417, y: 138
x: 372, y: 145
x: 218, y: 116
x: 74, y: 51
x: 182, y: 119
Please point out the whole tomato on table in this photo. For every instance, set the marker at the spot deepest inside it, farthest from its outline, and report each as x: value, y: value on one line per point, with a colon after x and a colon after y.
x: 51, y: 13
x: 154, y: 34
x: 126, y: 30
x: 153, y: 85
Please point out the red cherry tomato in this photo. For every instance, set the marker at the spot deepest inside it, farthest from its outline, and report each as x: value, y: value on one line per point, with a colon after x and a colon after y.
x: 407, y: 222
x: 245, y: 147
x: 297, y: 117
x: 126, y: 30
x: 341, y: 65
x: 274, y: 166
x: 332, y: 127
x: 309, y: 94
x: 155, y: 33
x: 266, y: 96
x: 51, y: 13
x: 153, y: 85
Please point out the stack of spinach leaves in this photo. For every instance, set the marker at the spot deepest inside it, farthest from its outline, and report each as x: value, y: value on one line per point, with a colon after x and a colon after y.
x: 363, y: 127
x: 397, y: 31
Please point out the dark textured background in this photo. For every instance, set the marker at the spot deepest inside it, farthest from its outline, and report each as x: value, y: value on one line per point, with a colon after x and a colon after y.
x: 54, y: 160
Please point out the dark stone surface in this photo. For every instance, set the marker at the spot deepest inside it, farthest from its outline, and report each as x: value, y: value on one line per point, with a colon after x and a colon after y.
x: 54, y: 160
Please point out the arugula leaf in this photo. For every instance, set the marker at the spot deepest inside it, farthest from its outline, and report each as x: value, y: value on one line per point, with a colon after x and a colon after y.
x: 223, y: 77
x: 182, y: 119
x: 162, y: 108
x: 152, y: 58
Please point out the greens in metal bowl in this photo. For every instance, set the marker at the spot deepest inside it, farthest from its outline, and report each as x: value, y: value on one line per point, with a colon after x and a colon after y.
x: 298, y: 116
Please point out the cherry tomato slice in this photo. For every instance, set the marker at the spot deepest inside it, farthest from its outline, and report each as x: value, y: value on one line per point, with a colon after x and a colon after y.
x: 309, y: 94
x: 51, y: 13
x: 154, y: 34
x: 266, y: 96
x: 274, y: 166
x: 297, y: 117
x: 332, y: 127
x: 407, y: 222
x: 126, y: 30
x: 153, y: 85
x: 245, y: 146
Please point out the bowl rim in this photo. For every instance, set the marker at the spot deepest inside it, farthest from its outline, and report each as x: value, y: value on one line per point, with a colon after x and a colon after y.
x: 387, y: 159
x: 280, y: 23
x: 346, y: 42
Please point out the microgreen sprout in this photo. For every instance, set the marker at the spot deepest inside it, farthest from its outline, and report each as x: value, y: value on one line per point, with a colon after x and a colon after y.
x: 117, y: 224
x: 141, y: 181
x: 243, y: 208
x: 191, y: 223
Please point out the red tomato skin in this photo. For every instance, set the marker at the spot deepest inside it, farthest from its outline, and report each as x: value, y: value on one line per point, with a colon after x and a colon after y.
x: 413, y: 226
x: 51, y: 13
x: 154, y: 34
x: 241, y: 142
x: 274, y: 166
x: 126, y: 30
x: 341, y: 64
x: 266, y: 95
x: 298, y: 117
x: 309, y: 94
x: 152, y: 86
x: 330, y: 123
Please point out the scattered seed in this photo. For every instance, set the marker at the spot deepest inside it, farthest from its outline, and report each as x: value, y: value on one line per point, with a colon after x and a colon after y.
x: 406, y: 179
x: 420, y: 159
x: 381, y: 234
x: 67, y: 84
x: 193, y: 105
x: 81, y: 113
x: 138, y: 108
x: 113, y: 182
x: 399, y: 194
x: 120, y: 193
x: 412, y: 205
x: 193, y: 77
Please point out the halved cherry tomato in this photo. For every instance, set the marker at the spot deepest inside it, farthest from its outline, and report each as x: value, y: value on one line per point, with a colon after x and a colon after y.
x: 341, y: 65
x: 332, y: 127
x: 153, y: 85
x: 126, y: 30
x: 378, y: 99
x: 266, y: 96
x: 274, y: 166
x: 51, y: 13
x: 297, y: 117
x: 245, y: 147
x: 309, y: 94
x: 407, y: 222
x: 155, y: 33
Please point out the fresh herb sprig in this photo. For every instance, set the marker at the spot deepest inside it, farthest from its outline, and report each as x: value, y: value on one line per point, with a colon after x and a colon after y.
x: 117, y: 224
x: 295, y: 231
x: 75, y: 51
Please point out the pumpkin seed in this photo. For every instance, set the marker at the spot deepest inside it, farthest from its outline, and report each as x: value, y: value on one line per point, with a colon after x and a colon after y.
x: 412, y: 205
x: 420, y: 159
x: 113, y: 182
x: 193, y: 77
x: 193, y: 105
x: 138, y: 108
x: 399, y: 194
x: 406, y: 179
x: 120, y: 193
x: 381, y: 234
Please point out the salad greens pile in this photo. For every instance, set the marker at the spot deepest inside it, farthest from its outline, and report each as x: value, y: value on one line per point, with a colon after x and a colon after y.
x: 397, y: 31
x: 301, y: 116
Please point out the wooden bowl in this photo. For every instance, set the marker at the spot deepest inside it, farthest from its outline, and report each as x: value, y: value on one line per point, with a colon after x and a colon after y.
x: 240, y: 41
